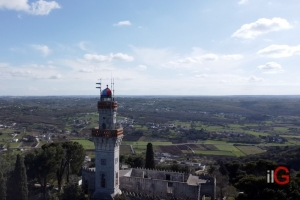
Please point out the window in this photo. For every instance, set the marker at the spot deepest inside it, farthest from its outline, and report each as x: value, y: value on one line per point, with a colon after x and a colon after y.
x: 103, y: 117
x: 103, y: 180
x: 103, y: 161
x: 117, y: 178
x: 103, y: 126
x: 170, y: 188
x: 168, y: 177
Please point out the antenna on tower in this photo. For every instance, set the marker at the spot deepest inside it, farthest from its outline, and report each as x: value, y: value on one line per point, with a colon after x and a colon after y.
x: 111, y: 80
x: 99, y: 87
x: 113, y: 88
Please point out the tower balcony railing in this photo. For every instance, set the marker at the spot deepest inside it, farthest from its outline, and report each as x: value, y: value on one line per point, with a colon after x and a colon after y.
x: 107, y: 133
x: 107, y: 105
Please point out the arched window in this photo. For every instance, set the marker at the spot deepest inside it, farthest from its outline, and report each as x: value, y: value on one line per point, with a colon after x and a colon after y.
x: 103, y: 180
x: 103, y: 126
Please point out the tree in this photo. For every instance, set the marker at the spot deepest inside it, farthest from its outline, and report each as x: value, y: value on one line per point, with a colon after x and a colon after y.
x: 71, y: 161
x: 2, y: 187
x: 72, y: 192
x: 17, y: 184
x: 121, y: 197
x: 149, y: 157
x: 74, y: 157
x: 42, y: 164
x: 211, y: 169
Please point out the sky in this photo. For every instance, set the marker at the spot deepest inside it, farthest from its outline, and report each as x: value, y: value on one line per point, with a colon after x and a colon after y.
x: 182, y: 47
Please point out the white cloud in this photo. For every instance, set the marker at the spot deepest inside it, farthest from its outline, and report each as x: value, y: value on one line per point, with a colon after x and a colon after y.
x: 42, y: 48
x: 121, y: 57
x: 261, y: 26
x: 86, y: 70
x: 233, y: 56
x: 210, y: 57
x: 108, y: 58
x: 222, y: 81
x: 97, y: 58
x: 123, y: 23
x: 31, y: 71
x: 82, y: 45
x: 271, y: 68
x: 42, y: 7
x: 243, y: 2
x: 141, y: 67
x: 278, y: 51
x: 188, y: 60
x: 254, y: 79
x: 39, y: 7
x: 56, y: 76
x: 201, y: 76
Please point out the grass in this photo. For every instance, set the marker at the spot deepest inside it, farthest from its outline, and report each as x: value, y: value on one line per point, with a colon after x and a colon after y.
x: 290, y: 136
x: 85, y: 143
x: 145, y: 143
x: 281, y: 129
x: 140, y: 127
x: 220, y: 153
x: 248, y: 150
x: 231, y: 149
x: 14, y: 144
x: 211, y: 142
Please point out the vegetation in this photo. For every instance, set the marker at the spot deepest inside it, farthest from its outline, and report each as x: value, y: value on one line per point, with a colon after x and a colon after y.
x: 2, y: 187
x: 149, y: 157
x: 17, y: 188
x: 72, y: 192
x: 246, y: 134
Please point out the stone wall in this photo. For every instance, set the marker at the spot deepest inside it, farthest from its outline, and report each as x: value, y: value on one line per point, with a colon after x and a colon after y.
x: 156, y: 174
x: 158, y: 187
x: 88, y: 180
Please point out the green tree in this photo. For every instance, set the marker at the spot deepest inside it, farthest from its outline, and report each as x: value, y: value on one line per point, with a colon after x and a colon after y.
x: 71, y: 161
x: 149, y: 157
x: 2, y: 187
x: 121, y: 197
x: 74, y: 157
x: 72, y: 192
x: 17, y: 184
x: 211, y: 169
x: 42, y: 165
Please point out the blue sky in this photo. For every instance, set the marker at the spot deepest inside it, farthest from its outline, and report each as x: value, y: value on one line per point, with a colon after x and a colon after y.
x: 233, y: 47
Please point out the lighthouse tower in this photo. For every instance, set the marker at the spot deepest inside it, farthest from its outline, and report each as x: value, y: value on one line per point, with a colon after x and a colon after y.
x: 107, y: 138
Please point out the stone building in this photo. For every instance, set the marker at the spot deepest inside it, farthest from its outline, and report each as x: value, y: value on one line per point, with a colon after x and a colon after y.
x: 106, y: 180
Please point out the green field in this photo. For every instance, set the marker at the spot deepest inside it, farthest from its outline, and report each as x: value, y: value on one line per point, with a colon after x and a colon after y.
x: 85, y: 143
x: 14, y: 144
x: 211, y: 142
x: 248, y: 150
x: 231, y: 149
x: 145, y: 143
x: 290, y: 136
x: 220, y: 153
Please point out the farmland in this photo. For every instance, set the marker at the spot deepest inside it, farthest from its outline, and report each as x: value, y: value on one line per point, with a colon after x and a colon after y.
x: 227, y: 126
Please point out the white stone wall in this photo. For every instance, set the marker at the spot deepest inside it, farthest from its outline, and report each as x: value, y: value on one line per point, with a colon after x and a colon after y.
x: 107, y: 158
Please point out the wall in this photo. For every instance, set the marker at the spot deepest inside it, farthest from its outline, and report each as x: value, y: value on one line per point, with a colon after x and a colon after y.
x: 158, y: 187
x: 155, y: 174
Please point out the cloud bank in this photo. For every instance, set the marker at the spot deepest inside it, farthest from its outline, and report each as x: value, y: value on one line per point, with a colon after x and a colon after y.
x: 39, y: 7
x: 261, y: 26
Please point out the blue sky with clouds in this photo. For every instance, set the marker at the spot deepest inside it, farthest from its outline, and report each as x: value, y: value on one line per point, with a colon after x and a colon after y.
x: 234, y: 47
